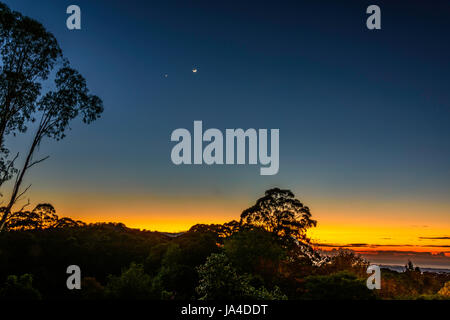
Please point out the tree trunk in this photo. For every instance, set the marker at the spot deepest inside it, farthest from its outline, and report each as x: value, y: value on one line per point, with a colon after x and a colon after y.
x: 19, y: 182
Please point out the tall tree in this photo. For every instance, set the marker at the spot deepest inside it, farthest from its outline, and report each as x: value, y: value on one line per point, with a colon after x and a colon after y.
x: 280, y: 213
x: 29, y: 55
x: 41, y: 217
x: 58, y: 107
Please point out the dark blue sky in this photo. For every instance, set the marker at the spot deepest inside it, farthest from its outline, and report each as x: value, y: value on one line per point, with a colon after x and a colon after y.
x: 362, y: 114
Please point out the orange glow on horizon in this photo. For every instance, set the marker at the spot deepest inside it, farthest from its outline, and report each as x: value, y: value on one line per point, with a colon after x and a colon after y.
x: 383, y: 226
x: 372, y: 237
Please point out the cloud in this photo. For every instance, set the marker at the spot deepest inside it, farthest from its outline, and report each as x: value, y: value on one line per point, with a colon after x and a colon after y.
x: 437, y: 246
x: 435, y: 238
x: 362, y: 245
x: 375, y: 245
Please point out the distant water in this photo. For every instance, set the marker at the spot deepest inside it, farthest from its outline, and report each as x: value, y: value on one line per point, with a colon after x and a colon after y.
x: 172, y: 234
x: 402, y: 268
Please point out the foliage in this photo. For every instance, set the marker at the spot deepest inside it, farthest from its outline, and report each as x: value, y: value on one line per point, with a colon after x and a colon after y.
x: 29, y: 55
x: 92, y: 289
x: 410, y: 284
x: 192, y: 266
x: 100, y: 249
x: 177, y: 274
x: 219, y: 280
x: 254, y: 251
x: 347, y: 260
x: 220, y: 231
x: 153, y: 262
x: 445, y: 290
x: 43, y: 216
x: 337, y: 286
x: 132, y: 284
x: 281, y: 214
x: 208, y: 262
x: 266, y: 255
x: 19, y: 288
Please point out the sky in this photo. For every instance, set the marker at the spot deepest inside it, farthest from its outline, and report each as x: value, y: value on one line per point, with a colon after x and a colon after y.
x: 364, y: 115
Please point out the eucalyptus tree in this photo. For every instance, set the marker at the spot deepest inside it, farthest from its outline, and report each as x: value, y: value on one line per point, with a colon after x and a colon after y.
x: 28, y: 54
x: 281, y: 214
x: 30, y: 58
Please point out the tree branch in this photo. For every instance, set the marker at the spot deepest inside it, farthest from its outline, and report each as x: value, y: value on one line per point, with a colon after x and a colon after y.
x: 37, y: 161
x: 21, y: 194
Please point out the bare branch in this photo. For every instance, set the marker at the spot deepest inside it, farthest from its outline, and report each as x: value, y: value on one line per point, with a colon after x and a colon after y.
x: 37, y: 161
x: 21, y: 194
x: 25, y: 205
x: 13, y: 160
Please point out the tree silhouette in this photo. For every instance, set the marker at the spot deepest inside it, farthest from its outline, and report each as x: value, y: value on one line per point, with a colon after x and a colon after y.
x: 68, y: 223
x: 29, y: 54
x: 347, y: 260
x: 409, y: 267
x: 281, y: 214
x: 221, y: 231
x: 43, y: 216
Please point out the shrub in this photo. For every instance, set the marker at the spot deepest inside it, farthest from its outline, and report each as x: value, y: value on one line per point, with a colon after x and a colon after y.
x: 19, y: 288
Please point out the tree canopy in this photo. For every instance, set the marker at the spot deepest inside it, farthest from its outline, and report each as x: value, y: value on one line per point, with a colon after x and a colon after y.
x: 30, y: 60
x: 280, y: 213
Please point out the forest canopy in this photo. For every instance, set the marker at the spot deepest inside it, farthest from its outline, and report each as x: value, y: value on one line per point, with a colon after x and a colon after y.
x: 234, y: 260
